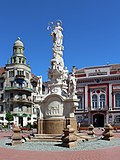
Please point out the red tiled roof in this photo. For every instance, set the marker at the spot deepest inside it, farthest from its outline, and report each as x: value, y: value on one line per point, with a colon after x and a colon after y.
x: 2, y: 70
x: 35, y: 77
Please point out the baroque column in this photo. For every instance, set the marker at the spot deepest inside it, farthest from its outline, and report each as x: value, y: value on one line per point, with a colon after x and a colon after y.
x: 57, y: 73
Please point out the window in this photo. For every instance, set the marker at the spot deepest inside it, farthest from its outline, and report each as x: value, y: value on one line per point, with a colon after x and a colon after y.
x: 14, y: 60
x: 26, y: 84
x: 22, y: 72
x: 80, y: 102
x: 19, y: 50
x: 1, y: 108
x: 94, y: 101
x: 19, y: 72
x: 19, y: 60
x: 23, y: 61
x: 11, y: 73
x: 102, y: 100
x: 11, y: 83
x: 117, y: 100
x: 98, y: 99
x: 1, y: 96
x: 1, y: 85
x: 11, y: 107
x: 117, y: 119
x: 27, y: 75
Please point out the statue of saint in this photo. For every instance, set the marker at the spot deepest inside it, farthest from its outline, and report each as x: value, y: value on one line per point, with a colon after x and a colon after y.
x: 72, y: 84
x: 39, y: 85
x: 57, y: 35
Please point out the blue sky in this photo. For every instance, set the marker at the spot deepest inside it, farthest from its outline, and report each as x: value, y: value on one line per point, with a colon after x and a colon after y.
x: 91, y: 31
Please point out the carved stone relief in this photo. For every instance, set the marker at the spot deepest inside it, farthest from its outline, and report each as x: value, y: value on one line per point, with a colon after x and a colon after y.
x: 54, y: 108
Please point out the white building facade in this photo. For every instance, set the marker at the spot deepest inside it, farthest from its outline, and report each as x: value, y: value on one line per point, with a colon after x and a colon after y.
x: 17, y: 88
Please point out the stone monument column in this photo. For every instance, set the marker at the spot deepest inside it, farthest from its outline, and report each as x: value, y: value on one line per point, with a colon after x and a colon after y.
x: 61, y: 99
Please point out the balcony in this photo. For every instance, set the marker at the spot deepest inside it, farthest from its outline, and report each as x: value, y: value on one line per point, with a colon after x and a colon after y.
x: 21, y: 99
x: 22, y: 110
x: 20, y: 79
x: 21, y: 114
x: 19, y: 88
x: 20, y: 76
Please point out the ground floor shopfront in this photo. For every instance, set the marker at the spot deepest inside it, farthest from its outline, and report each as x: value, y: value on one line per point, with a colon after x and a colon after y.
x: 98, y: 118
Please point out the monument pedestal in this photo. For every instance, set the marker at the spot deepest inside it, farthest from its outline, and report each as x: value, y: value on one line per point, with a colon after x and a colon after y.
x: 55, y: 125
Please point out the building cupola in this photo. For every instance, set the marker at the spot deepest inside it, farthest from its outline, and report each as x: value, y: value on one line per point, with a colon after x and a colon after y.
x: 18, y: 47
x: 18, y: 52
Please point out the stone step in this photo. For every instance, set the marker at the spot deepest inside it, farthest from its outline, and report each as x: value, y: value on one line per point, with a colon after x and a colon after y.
x: 47, y: 137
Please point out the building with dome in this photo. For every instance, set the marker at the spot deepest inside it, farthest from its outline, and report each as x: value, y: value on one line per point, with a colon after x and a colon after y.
x: 17, y: 88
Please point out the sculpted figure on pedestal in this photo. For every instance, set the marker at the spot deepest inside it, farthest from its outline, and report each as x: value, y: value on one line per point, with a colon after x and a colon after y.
x: 58, y: 50
x: 57, y: 35
x: 72, y: 84
x: 39, y: 85
x: 57, y: 62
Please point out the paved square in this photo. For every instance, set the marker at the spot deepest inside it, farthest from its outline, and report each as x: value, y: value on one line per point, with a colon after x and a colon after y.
x: 99, y: 154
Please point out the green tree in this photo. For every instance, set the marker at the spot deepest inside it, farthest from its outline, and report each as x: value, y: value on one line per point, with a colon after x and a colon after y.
x: 9, y: 117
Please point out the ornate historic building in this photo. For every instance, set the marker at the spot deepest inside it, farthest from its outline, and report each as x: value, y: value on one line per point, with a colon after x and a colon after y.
x: 98, y: 89
x: 17, y: 88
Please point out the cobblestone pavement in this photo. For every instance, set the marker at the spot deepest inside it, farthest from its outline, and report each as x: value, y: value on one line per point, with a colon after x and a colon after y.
x: 99, y: 154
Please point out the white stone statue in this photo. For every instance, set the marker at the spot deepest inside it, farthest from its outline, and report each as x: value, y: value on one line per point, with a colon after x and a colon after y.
x: 57, y: 35
x: 57, y: 50
x: 65, y: 74
x: 39, y: 85
x: 72, y: 84
x: 57, y: 63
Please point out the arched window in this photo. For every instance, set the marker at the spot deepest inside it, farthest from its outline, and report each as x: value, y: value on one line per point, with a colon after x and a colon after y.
x: 94, y: 101
x: 117, y: 100
x: 19, y: 60
x: 102, y: 100
x: 80, y: 102
x: 98, y: 99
